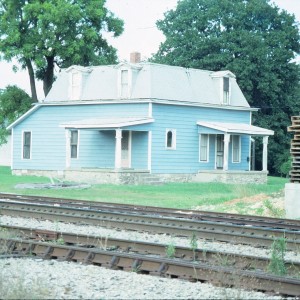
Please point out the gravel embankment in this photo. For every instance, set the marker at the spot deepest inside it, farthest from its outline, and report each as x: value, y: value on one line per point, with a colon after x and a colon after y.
x: 67, y: 280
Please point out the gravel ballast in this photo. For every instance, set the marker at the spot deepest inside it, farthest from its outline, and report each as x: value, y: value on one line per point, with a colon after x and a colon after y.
x: 68, y: 280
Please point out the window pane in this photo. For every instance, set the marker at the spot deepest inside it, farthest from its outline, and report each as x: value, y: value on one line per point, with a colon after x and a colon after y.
x: 235, y: 148
x: 74, y: 151
x: 74, y: 143
x: 26, y: 145
x: 204, y: 147
x: 74, y: 137
x: 169, y: 139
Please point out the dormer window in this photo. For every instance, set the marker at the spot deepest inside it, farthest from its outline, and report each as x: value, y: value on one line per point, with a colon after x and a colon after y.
x: 226, y: 90
x: 124, y: 84
x: 75, y: 85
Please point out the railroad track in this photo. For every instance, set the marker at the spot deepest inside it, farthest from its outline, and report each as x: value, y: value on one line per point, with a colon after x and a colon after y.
x: 157, y: 266
x: 218, y: 231
x: 239, y: 261
x: 257, y: 221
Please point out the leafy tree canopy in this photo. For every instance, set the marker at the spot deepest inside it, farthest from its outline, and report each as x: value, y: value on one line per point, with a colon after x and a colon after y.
x: 42, y: 33
x: 13, y: 103
x: 252, y: 38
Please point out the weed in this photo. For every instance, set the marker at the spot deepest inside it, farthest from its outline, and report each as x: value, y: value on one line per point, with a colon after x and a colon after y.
x: 170, y: 250
x: 194, y: 245
x: 277, y: 263
x: 275, y: 211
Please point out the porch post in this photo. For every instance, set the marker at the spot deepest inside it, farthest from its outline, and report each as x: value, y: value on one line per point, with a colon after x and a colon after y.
x: 265, y: 153
x: 226, y: 150
x: 68, y: 148
x: 118, y: 149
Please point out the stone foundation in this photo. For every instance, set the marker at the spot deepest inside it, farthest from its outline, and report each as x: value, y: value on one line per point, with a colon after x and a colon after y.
x: 135, y: 177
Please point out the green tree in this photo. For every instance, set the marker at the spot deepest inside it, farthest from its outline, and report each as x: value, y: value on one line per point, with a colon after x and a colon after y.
x: 252, y: 38
x: 43, y: 33
x: 13, y: 103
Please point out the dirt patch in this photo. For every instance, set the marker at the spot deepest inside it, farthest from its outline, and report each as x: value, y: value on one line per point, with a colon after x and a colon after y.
x: 261, y: 204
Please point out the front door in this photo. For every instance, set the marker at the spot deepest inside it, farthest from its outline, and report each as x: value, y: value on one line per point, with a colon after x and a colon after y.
x: 125, y: 146
x: 219, y: 151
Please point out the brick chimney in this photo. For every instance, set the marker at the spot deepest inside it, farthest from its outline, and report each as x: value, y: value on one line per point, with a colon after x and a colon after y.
x: 135, y: 57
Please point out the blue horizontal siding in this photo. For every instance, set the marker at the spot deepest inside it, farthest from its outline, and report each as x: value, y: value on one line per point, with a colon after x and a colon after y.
x: 185, y: 159
x: 139, y: 150
x: 49, y: 141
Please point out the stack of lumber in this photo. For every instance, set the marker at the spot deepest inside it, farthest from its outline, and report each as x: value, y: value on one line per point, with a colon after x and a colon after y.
x: 295, y: 150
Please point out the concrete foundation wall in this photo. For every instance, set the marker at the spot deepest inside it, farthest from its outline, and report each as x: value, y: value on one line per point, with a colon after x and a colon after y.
x: 104, y: 176
x: 292, y: 200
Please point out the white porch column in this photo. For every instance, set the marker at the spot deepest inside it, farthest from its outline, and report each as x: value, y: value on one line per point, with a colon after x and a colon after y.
x: 226, y: 151
x: 118, y: 148
x: 265, y: 153
x: 68, y: 149
x: 149, y: 150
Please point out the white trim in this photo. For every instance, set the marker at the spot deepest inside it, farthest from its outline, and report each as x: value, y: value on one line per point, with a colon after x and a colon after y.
x: 12, y: 148
x: 23, y: 116
x: 129, y: 147
x: 118, y: 149
x: 236, y: 128
x: 78, y: 143
x: 149, y: 150
x: 150, y: 110
x: 174, y: 139
x: 22, y: 149
x: 240, y: 148
x: 129, y: 82
x: 207, y: 148
x: 107, y: 123
x: 71, y: 93
x: 68, y: 148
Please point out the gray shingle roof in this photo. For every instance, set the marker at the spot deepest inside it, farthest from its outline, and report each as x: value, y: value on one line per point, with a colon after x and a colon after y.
x: 149, y: 81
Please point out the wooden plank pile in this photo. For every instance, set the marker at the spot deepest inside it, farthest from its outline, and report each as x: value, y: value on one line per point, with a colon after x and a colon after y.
x: 295, y: 149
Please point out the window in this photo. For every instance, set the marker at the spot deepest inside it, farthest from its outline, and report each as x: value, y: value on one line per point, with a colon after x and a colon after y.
x: 171, y: 139
x: 236, y: 148
x: 124, y: 83
x: 204, y: 147
x: 74, y: 143
x: 225, y: 90
x: 75, y: 85
x: 26, y: 144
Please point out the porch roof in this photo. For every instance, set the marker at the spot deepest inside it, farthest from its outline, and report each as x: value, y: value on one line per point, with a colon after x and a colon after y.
x: 104, y: 123
x: 236, y: 128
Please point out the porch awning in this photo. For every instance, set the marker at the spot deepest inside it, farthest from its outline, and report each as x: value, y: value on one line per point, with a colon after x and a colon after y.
x: 102, y: 123
x: 236, y: 128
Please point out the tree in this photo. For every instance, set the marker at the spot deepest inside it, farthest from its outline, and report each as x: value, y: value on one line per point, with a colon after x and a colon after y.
x: 251, y: 38
x: 42, y: 33
x: 13, y: 103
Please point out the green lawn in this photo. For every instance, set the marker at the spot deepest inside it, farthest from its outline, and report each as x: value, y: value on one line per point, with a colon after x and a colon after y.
x: 179, y: 195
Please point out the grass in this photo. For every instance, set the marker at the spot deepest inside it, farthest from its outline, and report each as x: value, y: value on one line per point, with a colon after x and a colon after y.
x: 175, y: 195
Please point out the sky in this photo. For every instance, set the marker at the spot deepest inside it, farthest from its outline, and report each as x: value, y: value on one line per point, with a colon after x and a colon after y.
x: 140, y: 34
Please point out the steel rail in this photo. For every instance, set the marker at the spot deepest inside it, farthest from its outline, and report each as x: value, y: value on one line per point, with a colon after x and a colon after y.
x: 171, y: 268
x: 257, y: 221
x: 239, y: 261
x: 254, y: 236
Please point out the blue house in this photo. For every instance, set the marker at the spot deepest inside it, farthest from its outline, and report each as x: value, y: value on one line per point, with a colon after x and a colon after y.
x: 139, y: 123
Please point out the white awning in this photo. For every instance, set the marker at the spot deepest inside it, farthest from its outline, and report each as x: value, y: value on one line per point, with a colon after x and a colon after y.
x: 102, y: 123
x: 236, y: 128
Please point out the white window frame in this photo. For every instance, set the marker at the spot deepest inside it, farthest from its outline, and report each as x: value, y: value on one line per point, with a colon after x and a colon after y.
x: 120, y: 83
x: 75, y: 89
x: 223, y: 92
x: 30, y: 151
x: 239, y: 148
x: 207, y: 148
x: 173, y: 145
x: 70, y: 143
